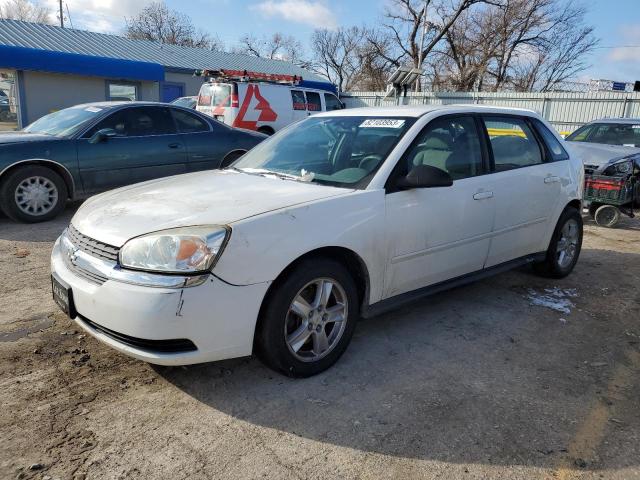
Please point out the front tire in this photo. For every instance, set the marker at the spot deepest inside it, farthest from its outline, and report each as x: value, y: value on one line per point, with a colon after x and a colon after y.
x: 564, y: 249
x: 308, y: 319
x: 32, y: 194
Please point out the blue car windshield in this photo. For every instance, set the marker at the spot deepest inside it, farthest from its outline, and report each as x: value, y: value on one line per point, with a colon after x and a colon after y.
x: 64, y: 123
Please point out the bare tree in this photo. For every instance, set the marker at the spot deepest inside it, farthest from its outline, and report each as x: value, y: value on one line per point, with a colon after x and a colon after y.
x: 277, y: 46
x: 404, y: 22
x: 27, y: 11
x: 156, y: 22
x: 516, y: 44
x: 338, y: 55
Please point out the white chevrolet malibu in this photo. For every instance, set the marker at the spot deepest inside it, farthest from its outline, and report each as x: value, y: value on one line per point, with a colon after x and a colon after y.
x: 341, y: 216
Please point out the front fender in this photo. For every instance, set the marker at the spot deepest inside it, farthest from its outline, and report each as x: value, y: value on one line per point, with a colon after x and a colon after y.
x: 261, y: 247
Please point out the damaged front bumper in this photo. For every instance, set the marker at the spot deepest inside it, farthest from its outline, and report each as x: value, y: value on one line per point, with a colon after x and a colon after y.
x: 172, y: 324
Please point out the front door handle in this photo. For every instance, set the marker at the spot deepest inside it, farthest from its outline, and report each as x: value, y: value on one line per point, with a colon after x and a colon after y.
x: 175, y: 145
x: 482, y: 195
x: 551, y: 179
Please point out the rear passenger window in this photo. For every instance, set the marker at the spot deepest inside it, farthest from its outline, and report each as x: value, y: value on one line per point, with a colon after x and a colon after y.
x: 188, y: 122
x: 512, y: 142
x: 554, y: 146
x: 450, y: 144
x: 313, y: 102
x: 299, y: 102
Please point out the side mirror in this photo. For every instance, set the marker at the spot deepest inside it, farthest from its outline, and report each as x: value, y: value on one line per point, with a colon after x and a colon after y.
x: 102, y: 135
x: 425, y: 176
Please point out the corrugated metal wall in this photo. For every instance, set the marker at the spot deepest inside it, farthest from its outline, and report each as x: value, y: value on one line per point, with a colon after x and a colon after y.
x: 566, y: 111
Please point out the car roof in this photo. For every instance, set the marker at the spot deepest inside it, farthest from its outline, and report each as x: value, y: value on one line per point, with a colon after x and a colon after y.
x: 117, y: 103
x: 623, y: 121
x: 419, y: 110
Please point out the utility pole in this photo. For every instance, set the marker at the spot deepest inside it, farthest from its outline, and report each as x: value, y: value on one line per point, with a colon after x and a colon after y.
x: 424, y: 31
x: 61, y: 15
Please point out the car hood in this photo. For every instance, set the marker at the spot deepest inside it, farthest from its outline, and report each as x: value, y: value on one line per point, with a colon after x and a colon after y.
x: 24, y: 137
x: 599, y: 154
x: 217, y: 197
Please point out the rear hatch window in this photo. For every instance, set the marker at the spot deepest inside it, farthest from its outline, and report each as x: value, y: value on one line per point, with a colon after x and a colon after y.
x: 216, y: 94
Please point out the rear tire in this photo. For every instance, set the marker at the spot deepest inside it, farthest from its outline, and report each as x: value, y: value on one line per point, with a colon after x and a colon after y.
x: 564, y: 248
x: 302, y: 333
x: 32, y: 194
x: 607, y: 216
x: 266, y: 130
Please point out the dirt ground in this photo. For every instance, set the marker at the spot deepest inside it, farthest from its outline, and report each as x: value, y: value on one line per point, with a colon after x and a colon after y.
x: 480, y: 382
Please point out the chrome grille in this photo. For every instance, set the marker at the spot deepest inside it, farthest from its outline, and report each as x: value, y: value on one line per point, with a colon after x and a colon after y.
x: 91, y: 246
x: 81, y: 272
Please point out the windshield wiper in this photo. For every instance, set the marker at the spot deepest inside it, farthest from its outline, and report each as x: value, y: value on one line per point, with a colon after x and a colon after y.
x: 284, y: 176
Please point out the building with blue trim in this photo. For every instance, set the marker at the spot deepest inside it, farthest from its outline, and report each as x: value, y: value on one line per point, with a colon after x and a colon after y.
x: 44, y: 68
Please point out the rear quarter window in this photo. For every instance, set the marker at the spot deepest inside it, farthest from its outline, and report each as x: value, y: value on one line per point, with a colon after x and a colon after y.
x: 554, y: 146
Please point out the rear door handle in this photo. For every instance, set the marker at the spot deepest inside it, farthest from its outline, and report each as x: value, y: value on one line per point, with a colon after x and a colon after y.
x: 175, y: 145
x: 551, y: 179
x: 482, y: 195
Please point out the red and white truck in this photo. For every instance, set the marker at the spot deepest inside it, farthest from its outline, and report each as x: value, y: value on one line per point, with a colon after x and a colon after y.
x: 261, y: 101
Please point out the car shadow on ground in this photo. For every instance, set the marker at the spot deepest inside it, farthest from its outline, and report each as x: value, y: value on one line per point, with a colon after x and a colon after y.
x: 476, y: 374
x: 37, y: 232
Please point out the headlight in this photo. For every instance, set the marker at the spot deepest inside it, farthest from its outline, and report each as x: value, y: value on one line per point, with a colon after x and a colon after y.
x: 178, y: 250
x: 623, y: 167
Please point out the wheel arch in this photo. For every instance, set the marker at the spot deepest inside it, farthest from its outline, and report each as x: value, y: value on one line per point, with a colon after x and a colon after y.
x: 53, y: 165
x: 351, y: 260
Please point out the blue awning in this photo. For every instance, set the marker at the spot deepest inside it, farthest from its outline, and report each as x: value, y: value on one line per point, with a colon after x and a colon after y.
x: 21, y: 58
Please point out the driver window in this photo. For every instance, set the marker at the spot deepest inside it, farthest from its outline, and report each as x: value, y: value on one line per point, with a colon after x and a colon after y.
x: 450, y: 144
x: 137, y: 122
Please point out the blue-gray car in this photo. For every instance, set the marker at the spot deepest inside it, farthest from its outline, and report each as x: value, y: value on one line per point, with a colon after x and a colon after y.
x: 86, y: 149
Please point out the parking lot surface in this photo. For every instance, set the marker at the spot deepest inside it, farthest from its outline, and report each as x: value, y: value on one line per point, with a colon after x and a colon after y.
x: 514, y: 377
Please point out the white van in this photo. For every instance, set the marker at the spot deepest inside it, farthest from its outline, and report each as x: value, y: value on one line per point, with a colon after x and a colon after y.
x: 263, y: 102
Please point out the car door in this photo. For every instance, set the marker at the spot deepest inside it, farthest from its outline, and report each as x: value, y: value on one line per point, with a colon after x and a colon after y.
x: 314, y: 104
x: 435, y: 234
x: 331, y: 102
x: 146, y: 145
x: 526, y: 187
x: 206, y: 143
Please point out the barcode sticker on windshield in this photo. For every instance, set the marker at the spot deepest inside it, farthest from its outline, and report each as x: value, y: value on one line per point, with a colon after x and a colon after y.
x: 382, y: 123
x: 93, y: 109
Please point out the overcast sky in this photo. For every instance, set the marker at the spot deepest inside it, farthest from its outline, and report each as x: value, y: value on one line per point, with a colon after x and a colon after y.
x: 617, y: 22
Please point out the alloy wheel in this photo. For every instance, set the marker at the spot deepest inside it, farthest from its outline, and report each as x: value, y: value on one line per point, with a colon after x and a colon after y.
x: 316, y: 319
x: 567, y: 243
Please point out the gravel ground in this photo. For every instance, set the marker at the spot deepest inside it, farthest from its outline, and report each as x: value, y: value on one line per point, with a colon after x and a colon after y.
x: 483, y: 381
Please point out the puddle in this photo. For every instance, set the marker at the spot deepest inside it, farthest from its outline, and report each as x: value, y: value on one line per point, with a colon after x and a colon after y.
x: 557, y: 299
x: 23, y: 332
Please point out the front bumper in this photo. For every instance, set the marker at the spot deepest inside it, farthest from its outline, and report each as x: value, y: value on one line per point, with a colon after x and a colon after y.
x: 218, y: 318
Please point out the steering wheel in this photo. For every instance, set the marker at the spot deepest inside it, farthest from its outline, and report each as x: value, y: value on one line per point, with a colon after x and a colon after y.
x: 370, y: 162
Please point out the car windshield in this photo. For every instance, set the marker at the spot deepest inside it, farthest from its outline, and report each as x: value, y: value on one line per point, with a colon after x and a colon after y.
x: 627, y: 134
x: 218, y: 94
x: 187, y: 102
x: 64, y: 123
x: 341, y: 151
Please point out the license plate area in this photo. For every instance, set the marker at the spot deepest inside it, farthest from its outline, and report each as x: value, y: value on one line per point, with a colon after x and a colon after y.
x: 63, y: 296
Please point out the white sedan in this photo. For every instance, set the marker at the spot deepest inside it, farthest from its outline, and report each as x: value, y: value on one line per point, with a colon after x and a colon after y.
x: 343, y: 215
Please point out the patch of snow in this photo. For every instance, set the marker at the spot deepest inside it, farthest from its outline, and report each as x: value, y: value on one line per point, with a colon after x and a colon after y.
x: 554, y: 298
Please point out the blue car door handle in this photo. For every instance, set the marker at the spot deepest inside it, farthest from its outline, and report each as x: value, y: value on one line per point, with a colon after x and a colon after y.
x: 175, y: 145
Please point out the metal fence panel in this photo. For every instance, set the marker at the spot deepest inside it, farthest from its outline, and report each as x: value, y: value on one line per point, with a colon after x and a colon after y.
x: 565, y: 111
